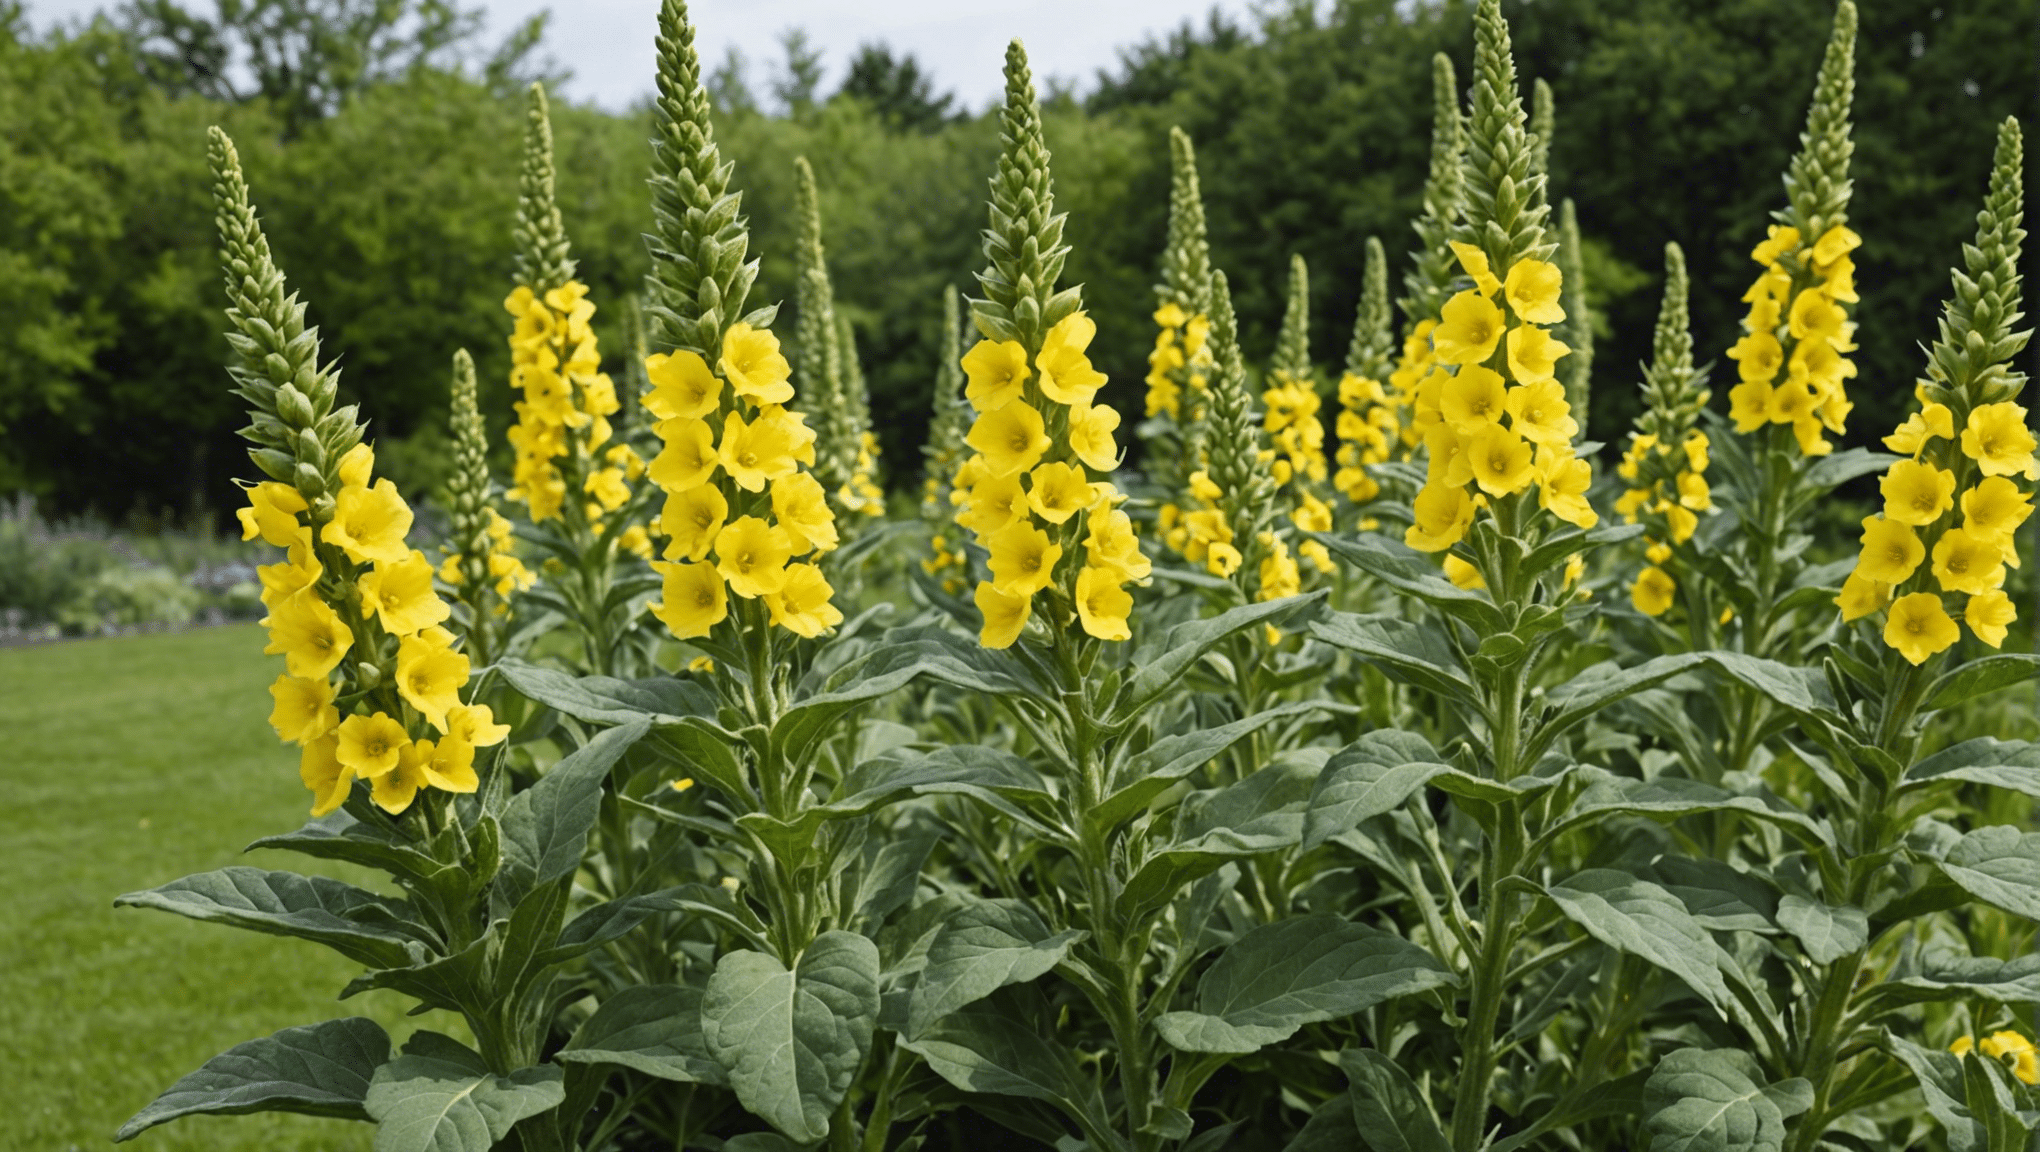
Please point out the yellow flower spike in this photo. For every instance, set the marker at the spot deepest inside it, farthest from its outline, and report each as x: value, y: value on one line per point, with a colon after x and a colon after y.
x: 1758, y: 356
x: 1815, y: 317
x: 1562, y: 491
x: 1004, y: 616
x: 1440, y: 516
x: 756, y: 453
x: 1023, y: 559
x: 1539, y: 412
x: 1764, y: 315
x: 393, y: 791
x: 369, y: 744
x: 1476, y: 264
x: 304, y: 709
x: 751, y: 556
x: 755, y: 368
x: 683, y: 386
x: 1994, y: 509
x: 802, y: 510
x: 1990, y: 614
x: 369, y: 524
x: 329, y: 780
x: 802, y: 607
x: 1918, y: 627
x: 1057, y: 492
x: 992, y: 504
x: 691, y: 598
x: 1011, y: 439
x: 1997, y: 438
x: 1066, y: 373
x: 1917, y: 493
x: 430, y: 677
x: 1930, y: 422
x: 1532, y: 289
x: 1966, y: 563
x: 401, y: 595
x: 1834, y: 244
x: 356, y: 466
x: 1471, y: 328
x: 1463, y: 574
x: 997, y: 373
x: 1474, y: 399
x: 1102, y: 605
x: 1653, y: 592
x: 1091, y: 428
x: 272, y: 514
x: 475, y: 724
x: 1862, y: 596
x: 1501, y: 461
x: 308, y: 634
x: 1532, y: 353
x: 1891, y: 551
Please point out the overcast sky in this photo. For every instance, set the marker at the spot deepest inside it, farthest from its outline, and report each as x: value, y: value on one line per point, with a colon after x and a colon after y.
x: 608, y: 43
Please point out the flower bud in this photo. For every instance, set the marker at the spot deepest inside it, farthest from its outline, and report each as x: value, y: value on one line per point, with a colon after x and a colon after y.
x: 277, y: 368
x: 310, y: 480
x: 367, y: 675
x: 293, y: 406
x: 309, y: 450
x: 278, y: 465
x: 322, y: 507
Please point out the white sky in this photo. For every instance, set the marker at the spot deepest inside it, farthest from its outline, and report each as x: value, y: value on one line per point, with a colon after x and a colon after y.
x: 608, y: 43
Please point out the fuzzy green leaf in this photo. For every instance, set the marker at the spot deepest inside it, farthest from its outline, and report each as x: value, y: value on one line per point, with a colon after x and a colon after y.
x: 1636, y: 916
x: 651, y: 1028
x: 1974, y: 678
x: 983, y: 948
x: 2009, y: 764
x: 1939, y: 1073
x: 1153, y: 771
x: 546, y: 826
x: 287, y: 904
x: 1370, y: 777
x: 1710, y: 1100
x: 1388, y: 1108
x: 607, y: 700
x: 317, y: 1070
x: 2000, y: 866
x: 1159, y: 666
x: 1413, y: 652
x: 1826, y: 932
x: 792, y: 1041
x: 440, y: 1097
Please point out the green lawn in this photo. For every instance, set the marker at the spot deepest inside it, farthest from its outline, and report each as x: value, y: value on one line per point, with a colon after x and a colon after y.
x: 125, y: 764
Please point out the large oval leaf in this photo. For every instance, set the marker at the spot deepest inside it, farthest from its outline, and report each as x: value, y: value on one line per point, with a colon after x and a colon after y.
x: 792, y: 1041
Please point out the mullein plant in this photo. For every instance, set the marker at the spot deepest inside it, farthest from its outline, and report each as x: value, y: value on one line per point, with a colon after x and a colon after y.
x: 1370, y: 420
x: 864, y: 495
x: 1180, y: 364
x: 390, y: 750
x: 480, y: 564
x: 1878, y: 996
x: 824, y: 373
x: 1433, y: 268
x: 1576, y: 331
x: 577, y: 481
x: 947, y: 563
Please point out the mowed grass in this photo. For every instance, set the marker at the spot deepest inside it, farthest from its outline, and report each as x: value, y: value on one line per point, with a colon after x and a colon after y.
x: 125, y: 764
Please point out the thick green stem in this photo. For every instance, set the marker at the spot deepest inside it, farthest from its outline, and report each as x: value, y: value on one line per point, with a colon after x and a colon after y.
x: 1825, y: 1037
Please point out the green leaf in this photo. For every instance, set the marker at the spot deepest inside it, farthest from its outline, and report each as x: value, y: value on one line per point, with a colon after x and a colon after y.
x: 1567, y: 544
x: 1281, y: 976
x: 1838, y: 468
x: 981, y: 949
x: 1153, y: 771
x: 792, y: 1041
x: 1370, y: 777
x: 1409, y: 571
x: 2000, y: 866
x: 1636, y: 916
x: 609, y: 701
x: 1262, y: 813
x: 1671, y: 797
x: 1720, y: 898
x: 1802, y: 691
x: 964, y: 769
x: 607, y: 921
x: 2008, y: 764
x: 981, y: 1049
x: 315, y: 1070
x: 1987, y: 1089
x: 545, y: 827
x: 440, y: 1097
x: 1388, y: 1108
x: 1974, y: 678
x: 1710, y: 1100
x: 1946, y: 977
x: 706, y: 751
x: 339, y: 836
x: 650, y: 1028
x: 1939, y: 1073
x: 1157, y: 667
x: 1413, y: 652
x: 1332, y: 1128
x: 287, y: 904
x: 1826, y: 932
x: 1595, y: 688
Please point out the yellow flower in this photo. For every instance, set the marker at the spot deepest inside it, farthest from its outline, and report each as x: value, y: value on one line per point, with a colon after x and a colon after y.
x: 1471, y: 328
x: 1102, y: 605
x: 1474, y: 399
x: 1781, y: 238
x: 1966, y: 563
x: 401, y: 595
x: 272, y: 514
x: 1532, y: 290
x: 1311, y: 514
x: 300, y: 570
x: 304, y: 709
x: 1994, y: 509
x: 802, y: 607
x: 1815, y: 317
x: 1562, y: 490
x: 1532, y: 352
x: 1004, y: 616
x: 1916, y: 493
x: 1891, y: 551
x: 1694, y: 492
x: 1066, y: 373
x: 751, y: 360
x: 1091, y: 428
x: 994, y: 503
x: 394, y: 790
x: 683, y: 387
x: 475, y: 724
x: 1932, y: 421
x: 1476, y: 264
x: 429, y: 678
x: 1222, y: 559
x: 802, y: 509
x: 369, y: 744
x: 691, y: 600
x: 1112, y: 545
x: 1058, y: 492
x: 1023, y: 559
x: 997, y: 373
x: 1539, y: 412
x: 608, y: 487
x: 1758, y: 356
x: 760, y: 451
x: 1999, y: 441
x: 1440, y: 515
x: 308, y: 634
x: 1448, y: 463
x: 1279, y: 575
x: 356, y: 465
x: 1749, y: 405
x: 691, y: 519
x: 1011, y: 438
x: 369, y: 524
x: 1862, y: 596
x: 1653, y: 591
x: 1463, y: 574
x: 1918, y: 627
x: 688, y: 460
x: 751, y: 555
x: 329, y: 780
x: 1501, y: 461
x: 1990, y: 614
x: 1681, y: 521
x: 1834, y: 244
x: 1170, y: 315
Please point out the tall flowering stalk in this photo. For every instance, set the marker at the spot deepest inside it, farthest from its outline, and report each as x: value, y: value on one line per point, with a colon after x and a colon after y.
x: 1180, y: 364
x: 862, y: 495
x: 1576, y: 331
x: 827, y: 372
x: 1433, y: 268
x: 480, y: 564
x: 1370, y: 413
x: 944, y: 453
x: 1665, y: 466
